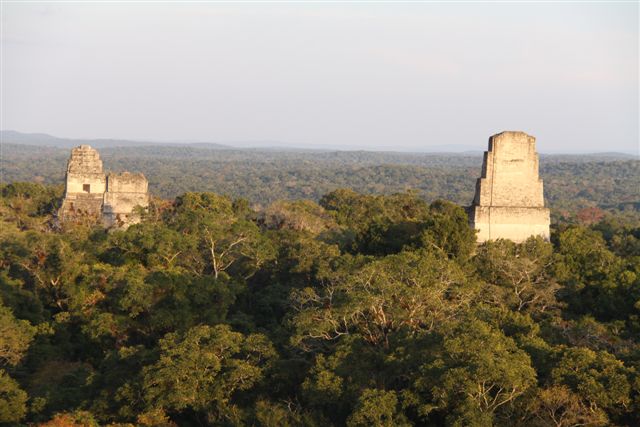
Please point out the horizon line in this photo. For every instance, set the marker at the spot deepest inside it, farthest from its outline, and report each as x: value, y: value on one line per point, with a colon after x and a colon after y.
x: 284, y: 145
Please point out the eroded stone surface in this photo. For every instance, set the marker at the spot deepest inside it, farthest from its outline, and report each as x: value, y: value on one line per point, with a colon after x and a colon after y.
x: 124, y: 192
x: 85, y: 184
x: 509, y: 201
x: 90, y: 193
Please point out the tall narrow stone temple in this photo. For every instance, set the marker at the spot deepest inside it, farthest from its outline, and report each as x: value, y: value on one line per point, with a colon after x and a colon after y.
x: 109, y: 198
x: 509, y: 201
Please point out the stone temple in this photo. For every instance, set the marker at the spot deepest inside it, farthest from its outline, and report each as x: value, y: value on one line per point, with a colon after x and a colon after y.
x: 509, y: 202
x: 109, y: 198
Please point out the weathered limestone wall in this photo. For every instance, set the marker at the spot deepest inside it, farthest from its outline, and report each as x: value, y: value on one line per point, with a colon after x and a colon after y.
x: 85, y: 184
x: 127, y: 182
x: 509, y: 202
x: 124, y: 193
x: 510, y: 172
x: 97, y: 183
x: 89, y: 191
x: 513, y: 223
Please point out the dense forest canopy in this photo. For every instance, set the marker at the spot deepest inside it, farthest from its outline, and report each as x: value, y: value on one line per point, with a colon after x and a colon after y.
x: 259, y: 290
x: 573, y: 183
x: 355, y: 309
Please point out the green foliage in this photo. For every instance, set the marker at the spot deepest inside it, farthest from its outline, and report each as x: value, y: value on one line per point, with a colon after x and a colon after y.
x: 13, y: 400
x: 377, y: 408
x: 203, y: 368
x: 560, y: 407
x: 572, y: 183
x: 410, y: 291
x: 299, y: 215
x: 360, y: 310
x: 479, y: 371
x: 272, y: 414
x: 25, y: 203
x: 15, y: 337
x: 598, y: 377
x: 518, y: 276
x: 596, y: 280
x: 447, y: 229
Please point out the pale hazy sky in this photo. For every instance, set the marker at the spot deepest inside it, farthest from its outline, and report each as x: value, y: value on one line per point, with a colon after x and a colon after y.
x: 368, y: 75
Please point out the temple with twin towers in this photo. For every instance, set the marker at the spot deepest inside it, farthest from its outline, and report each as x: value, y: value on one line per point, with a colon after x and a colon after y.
x: 108, y: 198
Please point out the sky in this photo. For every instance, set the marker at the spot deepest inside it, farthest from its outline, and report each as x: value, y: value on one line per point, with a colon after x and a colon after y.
x: 397, y: 76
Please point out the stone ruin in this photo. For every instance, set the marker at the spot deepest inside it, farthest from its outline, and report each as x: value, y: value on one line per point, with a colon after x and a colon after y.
x: 110, y: 198
x: 509, y: 202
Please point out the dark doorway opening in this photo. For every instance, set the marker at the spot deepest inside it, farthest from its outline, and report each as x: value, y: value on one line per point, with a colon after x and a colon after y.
x: 86, y: 188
